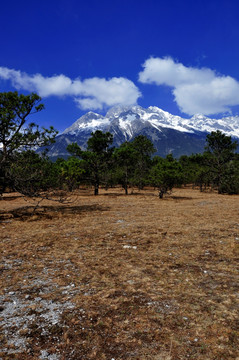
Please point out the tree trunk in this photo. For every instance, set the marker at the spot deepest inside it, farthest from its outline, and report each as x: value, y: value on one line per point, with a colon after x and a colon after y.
x: 96, y: 189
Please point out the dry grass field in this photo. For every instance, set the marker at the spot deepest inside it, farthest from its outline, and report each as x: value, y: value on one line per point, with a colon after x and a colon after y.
x: 119, y: 277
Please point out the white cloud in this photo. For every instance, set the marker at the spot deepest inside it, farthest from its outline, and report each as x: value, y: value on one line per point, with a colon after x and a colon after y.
x: 93, y: 93
x: 195, y: 90
x: 109, y: 92
x: 89, y: 103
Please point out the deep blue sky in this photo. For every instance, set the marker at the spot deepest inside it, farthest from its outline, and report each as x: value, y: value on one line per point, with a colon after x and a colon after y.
x: 113, y: 39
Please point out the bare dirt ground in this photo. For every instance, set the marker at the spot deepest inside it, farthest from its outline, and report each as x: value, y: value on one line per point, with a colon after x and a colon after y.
x: 120, y: 277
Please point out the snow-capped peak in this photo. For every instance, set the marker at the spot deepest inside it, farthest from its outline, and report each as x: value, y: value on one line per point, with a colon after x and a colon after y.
x: 89, y: 120
x: 169, y: 133
x: 129, y: 118
x: 117, y: 110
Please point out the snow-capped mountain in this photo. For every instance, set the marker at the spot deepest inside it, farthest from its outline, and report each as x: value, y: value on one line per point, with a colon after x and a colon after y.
x: 169, y: 133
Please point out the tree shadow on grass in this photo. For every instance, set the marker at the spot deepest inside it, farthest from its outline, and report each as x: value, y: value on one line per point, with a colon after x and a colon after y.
x: 181, y: 197
x: 49, y: 212
x: 130, y: 193
x: 10, y: 197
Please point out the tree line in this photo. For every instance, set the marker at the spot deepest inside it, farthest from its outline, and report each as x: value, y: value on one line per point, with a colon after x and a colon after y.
x: 132, y: 164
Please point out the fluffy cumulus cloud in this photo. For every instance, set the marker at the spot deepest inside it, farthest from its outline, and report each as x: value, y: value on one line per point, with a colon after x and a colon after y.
x: 93, y: 93
x: 98, y: 92
x: 195, y: 90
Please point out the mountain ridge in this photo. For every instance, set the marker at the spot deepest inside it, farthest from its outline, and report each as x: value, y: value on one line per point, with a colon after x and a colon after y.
x: 157, y: 116
x: 169, y: 133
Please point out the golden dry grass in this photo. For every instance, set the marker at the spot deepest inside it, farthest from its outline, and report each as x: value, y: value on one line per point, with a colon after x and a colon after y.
x: 121, y: 277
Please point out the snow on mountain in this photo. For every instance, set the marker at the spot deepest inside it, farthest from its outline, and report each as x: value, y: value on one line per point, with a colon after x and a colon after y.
x: 89, y: 120
x: 169, y: 133
x: 126, y: 116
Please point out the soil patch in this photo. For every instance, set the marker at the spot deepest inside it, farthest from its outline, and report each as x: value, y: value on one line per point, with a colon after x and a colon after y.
x: 120, y: 277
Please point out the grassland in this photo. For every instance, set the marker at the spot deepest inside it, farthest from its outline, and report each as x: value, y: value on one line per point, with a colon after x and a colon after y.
x: 120, y: 277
